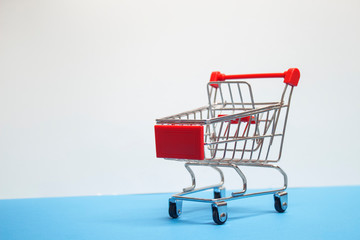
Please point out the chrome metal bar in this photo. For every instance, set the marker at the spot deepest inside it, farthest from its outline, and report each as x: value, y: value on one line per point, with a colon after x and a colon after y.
x: 251, y: 96
x: 187, y: 112
x: 241, y: 174
x: 248, y: 125
x: 243, y: 114
x: 226, y: 199
x: 236, y: 136
x: 216, y: 119
x: 276, y: 114
x: 227, y: 137
x: 286, y: 118
x: 255, y: 103
x: 181, y: 121
x: 217, y: 145
x: 220, y: 109
x: 241, y: 139
x: 255, y: 130
x: 222, y: 179
x: 240, y: 150
x: 234, y: 195
x: 231, y: 96
x: 192, y: 189
x: 193, y: 180
x: 221, y: 94
x: 241, y: 98
x: 225, y: 161
x: 262, y: 140
x: 209, y: 92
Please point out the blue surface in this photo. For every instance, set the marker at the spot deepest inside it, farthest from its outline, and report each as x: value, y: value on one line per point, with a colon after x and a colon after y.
x: 313, y: 213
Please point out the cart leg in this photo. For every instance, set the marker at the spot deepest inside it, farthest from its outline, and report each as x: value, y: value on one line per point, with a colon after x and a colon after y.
x: 222, y: 179
x: 281, y: 201
x: 193, y: 181
x: 175, y: 207
x: 241, y: 174
x: 219, y: 212
x: 219, y: 192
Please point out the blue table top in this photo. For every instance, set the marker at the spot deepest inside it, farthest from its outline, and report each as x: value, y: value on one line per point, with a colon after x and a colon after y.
x: 313, y: 213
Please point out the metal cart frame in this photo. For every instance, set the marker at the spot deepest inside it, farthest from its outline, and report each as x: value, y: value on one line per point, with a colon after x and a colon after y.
x: 245, y: 137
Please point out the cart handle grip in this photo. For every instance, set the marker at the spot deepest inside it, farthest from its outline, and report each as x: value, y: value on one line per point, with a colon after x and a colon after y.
x: 291, y: 76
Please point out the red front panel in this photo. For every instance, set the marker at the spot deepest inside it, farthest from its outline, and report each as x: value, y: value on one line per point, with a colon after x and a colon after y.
x: 179, y: 141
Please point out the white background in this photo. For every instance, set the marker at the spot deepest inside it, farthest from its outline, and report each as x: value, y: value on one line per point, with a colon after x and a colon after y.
x: 81, y: 83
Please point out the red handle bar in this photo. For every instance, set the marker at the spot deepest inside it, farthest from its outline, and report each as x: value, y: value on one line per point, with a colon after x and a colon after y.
x: 290, y: 76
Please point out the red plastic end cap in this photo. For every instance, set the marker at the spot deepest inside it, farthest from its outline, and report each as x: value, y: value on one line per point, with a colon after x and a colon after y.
x: 179, y: 141
x: 216, y: 76
x: 292, y: 77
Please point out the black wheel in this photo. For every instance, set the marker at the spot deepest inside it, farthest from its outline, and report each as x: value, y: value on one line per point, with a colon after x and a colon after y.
x: 217, y: 195
x: 279, y: 206
x: 216, y: 216
x: 173, y: 212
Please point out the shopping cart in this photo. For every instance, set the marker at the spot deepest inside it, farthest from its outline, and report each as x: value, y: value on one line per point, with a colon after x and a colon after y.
x: 232, y: 131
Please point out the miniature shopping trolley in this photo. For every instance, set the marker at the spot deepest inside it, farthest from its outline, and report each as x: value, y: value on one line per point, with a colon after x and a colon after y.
x: 232, y: 130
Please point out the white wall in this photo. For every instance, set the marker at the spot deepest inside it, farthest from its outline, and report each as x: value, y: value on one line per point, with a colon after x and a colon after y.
x: 81, y: 83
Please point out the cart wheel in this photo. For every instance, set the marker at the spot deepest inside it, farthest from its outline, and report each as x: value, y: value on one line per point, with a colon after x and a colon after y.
x: 219, y: 192
x: 175, y: 207
x: 281, y: 201
x: 219, y: 212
